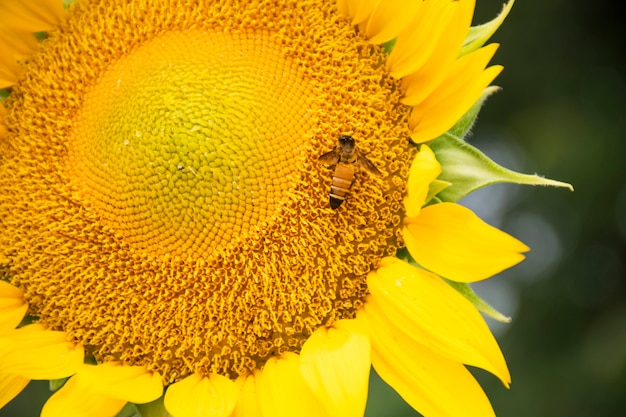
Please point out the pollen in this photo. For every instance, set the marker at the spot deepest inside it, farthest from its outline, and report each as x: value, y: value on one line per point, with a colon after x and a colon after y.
x: 161, y: 195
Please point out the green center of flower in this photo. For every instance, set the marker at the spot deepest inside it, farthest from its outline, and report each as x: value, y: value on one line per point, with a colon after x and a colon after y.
x: 188, y: 142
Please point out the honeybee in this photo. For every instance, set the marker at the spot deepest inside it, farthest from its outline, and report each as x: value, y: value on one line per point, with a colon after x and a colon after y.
x: 346, y: 159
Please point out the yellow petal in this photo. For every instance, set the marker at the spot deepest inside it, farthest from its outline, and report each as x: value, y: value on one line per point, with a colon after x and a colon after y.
x: 32, y: 15
x: 17, y: 44
x: 435, y: 114
x: 423, y: 307
x: 283, y: 391
x: 335, y: 362
x: 77, y: 399
x: 462, y: 75
x: 433, y: 124
x: 129, y: 383
x: 432, y: 75
x: 357, y: 10
x: 248, y: 399
x: 14, y: 45
x: 36, y: 353
x: 453, y: 242
x: 9, y: 69
x: 433, y: 385
x: 419, y: 41
x: 199, y: 396
x: 13, y: 307
x: 10, y: 386
x: 424, y: 170
x: 390, y: 17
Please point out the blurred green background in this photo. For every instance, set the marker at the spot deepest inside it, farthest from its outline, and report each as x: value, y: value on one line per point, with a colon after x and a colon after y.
x: 561, y: 114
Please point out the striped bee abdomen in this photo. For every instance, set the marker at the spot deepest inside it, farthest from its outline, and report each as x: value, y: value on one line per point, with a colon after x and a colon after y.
x: 342, y: 181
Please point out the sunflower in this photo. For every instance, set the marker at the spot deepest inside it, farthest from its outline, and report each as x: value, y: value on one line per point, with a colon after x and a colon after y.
x: 167, y: 238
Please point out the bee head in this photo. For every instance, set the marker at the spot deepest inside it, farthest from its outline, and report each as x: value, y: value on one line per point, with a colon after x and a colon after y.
x: 346, y: 141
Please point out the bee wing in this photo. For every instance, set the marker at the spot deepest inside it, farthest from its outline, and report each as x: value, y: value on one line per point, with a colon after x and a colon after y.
x: 330, y: 158
x: 367, y: 165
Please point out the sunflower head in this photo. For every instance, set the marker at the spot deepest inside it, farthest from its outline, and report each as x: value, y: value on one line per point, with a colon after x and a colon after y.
x: 180, y: 168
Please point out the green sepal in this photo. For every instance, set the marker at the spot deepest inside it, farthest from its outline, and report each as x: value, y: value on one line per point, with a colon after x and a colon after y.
x: 435, y: 188
x: 479, y: 35
x: 468, y: 169
x: 154, y: 408
x: 481, y: 305
x: 388, y: 46
x: 129, y: 410
x: 56, y: 384
x: 403, y: 254
x: 465, y: 123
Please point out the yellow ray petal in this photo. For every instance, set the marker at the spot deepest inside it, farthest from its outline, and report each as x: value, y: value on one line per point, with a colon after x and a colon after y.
x: 17, y: 44
x: 335, y: 362
x: 424, y: 170
x: 417, y: 43
x: 438, y: 112
x: 103, y: 390
x: 32, y: 15
x: 13, y: 307
x: 9, y: 69
x: 70, y: 401
x: 77, y: 399
x: 431, y: 384
x: 462, y: 74
x: 198, y: 396
x: 430, y: 312
x: 282, y: 389
x: 129, y: 383
x: 36, y: 353
x: 14, y: 45
x: 428, y: 123
x: 432, y: 74
x: 10, y: 386
x: 390, y: 17
x: 357, y: 10
x: 453, y: 242
x: 248, y: 399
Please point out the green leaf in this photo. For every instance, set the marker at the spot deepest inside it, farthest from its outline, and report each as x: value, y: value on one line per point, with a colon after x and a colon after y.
x: 468, y: 169
x: 479, y: 35
x: 481, y: 305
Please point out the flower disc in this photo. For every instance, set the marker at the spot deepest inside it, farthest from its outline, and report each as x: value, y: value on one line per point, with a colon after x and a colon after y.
x: 174, y: 148
x: 163, y: 201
